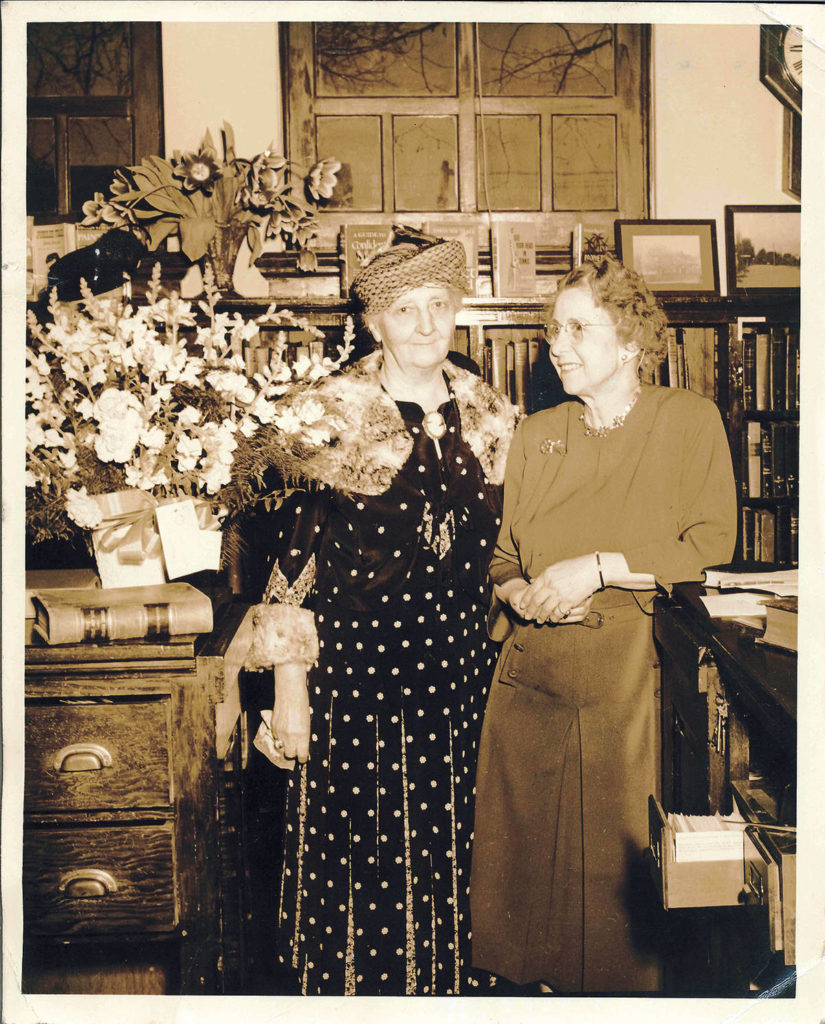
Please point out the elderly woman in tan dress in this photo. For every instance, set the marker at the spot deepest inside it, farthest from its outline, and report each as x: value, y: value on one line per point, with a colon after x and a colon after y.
x: 607, y: 497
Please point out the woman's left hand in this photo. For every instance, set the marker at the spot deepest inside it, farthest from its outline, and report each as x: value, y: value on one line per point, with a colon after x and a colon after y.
x: 560, y: 591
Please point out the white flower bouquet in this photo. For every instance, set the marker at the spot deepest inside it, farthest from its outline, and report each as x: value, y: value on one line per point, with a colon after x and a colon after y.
x: 157, y: 399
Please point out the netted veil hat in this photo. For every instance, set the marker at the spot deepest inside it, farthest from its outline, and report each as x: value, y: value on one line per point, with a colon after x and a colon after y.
x: 410, y: 260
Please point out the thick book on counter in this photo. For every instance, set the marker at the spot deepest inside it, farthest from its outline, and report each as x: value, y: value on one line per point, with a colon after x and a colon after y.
x: 781, y: 623
x: 96, y: 615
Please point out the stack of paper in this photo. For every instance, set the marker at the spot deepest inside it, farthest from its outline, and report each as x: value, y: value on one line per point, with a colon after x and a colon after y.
x: 743, y: 595
x: 784, y: 582
x: 706, y: 837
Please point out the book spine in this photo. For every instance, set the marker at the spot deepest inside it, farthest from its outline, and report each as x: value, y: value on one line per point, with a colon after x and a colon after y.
x: 681, y: 364
x: 783, y: 535
x: 779, y: 356
x: 749, y: 371
x: 792, y: 371
x: 96, y: 624
x: 498, y: 363
x: 672, y: 359
x: 794, y: 538
x: 510, y: 357
x: 762, y: 375
x: 754, y: 475
x: 767, y: 535
x: 778, y: 470
x: 767, y: 461
x: 521, y: 368
x: 534, y: 347
x: 748, y: 534
x: 792, y: 458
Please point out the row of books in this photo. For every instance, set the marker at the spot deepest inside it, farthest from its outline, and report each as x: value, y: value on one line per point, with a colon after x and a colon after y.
x: 690, y: 363
x: 519, y: 366
x: 771, y: 467
x: 770, y: 368
x: 510, y: 363
x: 47, y: 242
x: 770, y: 535
x: 512, y: 252
x: 299, y: 344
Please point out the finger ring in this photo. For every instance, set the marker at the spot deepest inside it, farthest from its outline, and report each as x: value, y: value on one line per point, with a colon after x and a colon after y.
x: 563, y: 617
x: 278, y: 742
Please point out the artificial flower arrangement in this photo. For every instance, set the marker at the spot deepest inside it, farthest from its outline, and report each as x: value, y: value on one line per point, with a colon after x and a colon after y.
x: 122, y: 397
x: 200, y: 197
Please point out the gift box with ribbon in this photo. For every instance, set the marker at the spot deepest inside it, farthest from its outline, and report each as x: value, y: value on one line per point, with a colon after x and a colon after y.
x: 128, y: 546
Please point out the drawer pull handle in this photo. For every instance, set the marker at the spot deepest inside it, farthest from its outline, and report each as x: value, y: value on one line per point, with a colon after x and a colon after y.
x: 87, y: 882
x: 82, y: 757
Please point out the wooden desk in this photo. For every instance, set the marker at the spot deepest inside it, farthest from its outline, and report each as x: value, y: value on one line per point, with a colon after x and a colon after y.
x: 125, y: 813
x: 711, y: 666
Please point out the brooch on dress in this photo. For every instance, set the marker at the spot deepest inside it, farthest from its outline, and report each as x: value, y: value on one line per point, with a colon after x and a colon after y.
x: 548, y: 447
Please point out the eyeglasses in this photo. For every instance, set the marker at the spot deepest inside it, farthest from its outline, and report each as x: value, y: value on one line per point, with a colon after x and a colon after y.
x: 574, y: 327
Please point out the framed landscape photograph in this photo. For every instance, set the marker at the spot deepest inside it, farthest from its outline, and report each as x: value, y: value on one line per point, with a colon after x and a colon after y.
x: 763, y: 248
x: 674, y: 257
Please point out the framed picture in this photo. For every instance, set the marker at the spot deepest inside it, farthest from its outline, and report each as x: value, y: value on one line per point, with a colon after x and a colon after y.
x: 763, y: 248
x: 673, y: 256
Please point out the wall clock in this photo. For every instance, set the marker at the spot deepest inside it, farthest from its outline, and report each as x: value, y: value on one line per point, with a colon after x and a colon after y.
x: 780, y: 63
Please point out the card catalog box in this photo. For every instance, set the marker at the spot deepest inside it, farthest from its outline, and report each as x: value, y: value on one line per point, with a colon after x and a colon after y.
x: 697, y: 883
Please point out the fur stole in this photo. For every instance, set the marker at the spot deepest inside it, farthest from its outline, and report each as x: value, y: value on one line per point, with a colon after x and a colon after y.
x: 365, y: 442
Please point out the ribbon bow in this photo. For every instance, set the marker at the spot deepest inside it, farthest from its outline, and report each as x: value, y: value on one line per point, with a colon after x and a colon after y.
x: 135, y: 509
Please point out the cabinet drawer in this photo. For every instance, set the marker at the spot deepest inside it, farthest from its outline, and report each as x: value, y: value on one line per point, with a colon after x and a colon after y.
x: 93, y: 756
x: 98, y: 880
x: 697, y: 883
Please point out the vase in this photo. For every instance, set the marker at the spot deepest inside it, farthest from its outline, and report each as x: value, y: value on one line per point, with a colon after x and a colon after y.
x: 223, y: 252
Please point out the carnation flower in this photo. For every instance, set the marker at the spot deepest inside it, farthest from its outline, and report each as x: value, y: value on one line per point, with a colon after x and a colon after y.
x: 118, y: 414
x: 233, y: 386
x: 83, y: 510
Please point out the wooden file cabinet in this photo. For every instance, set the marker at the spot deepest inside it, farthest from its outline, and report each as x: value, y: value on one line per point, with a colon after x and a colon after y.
x: 741, y: 932
x: 128, y: 745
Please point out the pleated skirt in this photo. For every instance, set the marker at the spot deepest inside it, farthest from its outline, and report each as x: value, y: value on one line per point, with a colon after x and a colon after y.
x: 570, y: 751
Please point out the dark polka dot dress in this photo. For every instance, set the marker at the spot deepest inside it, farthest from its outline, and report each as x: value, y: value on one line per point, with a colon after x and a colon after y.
x: 374, y: 890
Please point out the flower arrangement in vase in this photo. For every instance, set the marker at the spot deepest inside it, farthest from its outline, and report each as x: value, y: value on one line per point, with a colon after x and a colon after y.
x: 214, y: 204
x: 153, y: 399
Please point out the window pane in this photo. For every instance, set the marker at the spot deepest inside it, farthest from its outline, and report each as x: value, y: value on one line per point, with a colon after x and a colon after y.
x: 356, y: 142
x: 513, y: 179
x: 41, y: 174
x: 79, y: 59
x: 584, y: 162
x: 384, y: 59
x: 546, y: 60
x: 425, y: 150
x: 97, y: 145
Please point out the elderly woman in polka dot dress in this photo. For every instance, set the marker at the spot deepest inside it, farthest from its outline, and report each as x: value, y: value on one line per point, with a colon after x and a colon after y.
x: 374, y: 622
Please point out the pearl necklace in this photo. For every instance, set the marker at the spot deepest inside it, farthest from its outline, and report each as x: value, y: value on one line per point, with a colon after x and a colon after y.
x: 614, y: 424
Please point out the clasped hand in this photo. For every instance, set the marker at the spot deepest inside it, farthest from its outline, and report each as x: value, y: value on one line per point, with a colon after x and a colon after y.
x: 290, y: 722
x: 561, y: 593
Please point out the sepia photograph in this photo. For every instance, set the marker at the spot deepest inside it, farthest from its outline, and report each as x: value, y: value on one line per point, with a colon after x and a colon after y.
x: 412, y: 545
x: 672, y: 256
x: 764, y: 246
